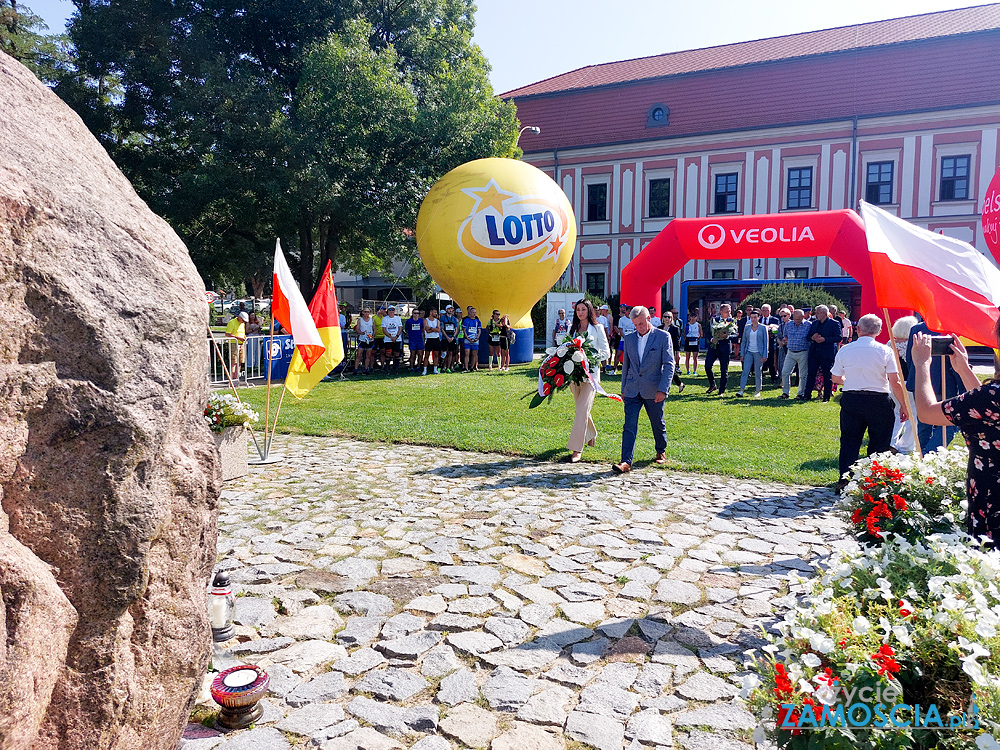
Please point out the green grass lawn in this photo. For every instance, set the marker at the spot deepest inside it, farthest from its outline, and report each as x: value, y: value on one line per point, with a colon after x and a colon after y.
x: 787, y: 441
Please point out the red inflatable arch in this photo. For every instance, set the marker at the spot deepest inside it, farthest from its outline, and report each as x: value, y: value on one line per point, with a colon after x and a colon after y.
x: 839, y: 234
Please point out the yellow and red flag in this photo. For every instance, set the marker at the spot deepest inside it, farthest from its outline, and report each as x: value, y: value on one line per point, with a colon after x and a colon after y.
x: 302, y: 378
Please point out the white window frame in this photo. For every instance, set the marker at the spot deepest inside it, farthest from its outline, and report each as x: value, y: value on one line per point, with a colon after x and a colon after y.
x: 798, y: 162
x: 668, y: 173
x: 726, y: 168
x: 956, y: 149
x: 596, y: 179
x: 888, y: 154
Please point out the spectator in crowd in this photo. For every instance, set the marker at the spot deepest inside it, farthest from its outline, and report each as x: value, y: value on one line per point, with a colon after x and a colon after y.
x: 785, y: 316
x: 931, y: 436
x: 364, y: 360
x: 902, y: 431
x: 976, y: 412
x: 625, y: 327
x: 461, y: 338
x: 754, y: 347
x: 345, y: 322
x: 392, y: 338
x: 654, y: 320
x: 415, y: 339
x: 692, y: 335
x: 719, y: 348
x: 449, y: 338
x: 868, y: 372
x: 379, y: 347
x: 606, y: 322
x: 585, y: 326
x: 561, y: 328
x: 824, y: 336
x: 506, y: 339
x: 795, y: 338
x: 236, y: 331
x: 432, y: 341
x: 647, y: 370
x: 671, y: 327
x: 768, y: 320
x: 253, y: 325
x: 740, y: 322
x: 846, y: 329
x: 472, y: 328
x: 493, y: 334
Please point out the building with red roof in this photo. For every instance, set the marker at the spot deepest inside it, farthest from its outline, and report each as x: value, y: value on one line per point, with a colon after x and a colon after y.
x: 904, y: 113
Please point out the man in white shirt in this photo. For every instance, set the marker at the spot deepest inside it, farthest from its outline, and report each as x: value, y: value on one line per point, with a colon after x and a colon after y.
x: 392, y: 329
x: 605, y: 320
x: 625, y: 327
x: 867, y: 370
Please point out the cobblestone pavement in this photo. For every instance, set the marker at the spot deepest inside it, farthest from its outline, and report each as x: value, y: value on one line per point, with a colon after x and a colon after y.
x: 404, y: 596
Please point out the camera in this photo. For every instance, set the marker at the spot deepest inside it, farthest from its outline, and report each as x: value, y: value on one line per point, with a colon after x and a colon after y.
x: 941, y: 345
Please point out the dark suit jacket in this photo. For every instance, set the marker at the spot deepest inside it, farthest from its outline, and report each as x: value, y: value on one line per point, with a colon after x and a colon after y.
x: 654, y: 372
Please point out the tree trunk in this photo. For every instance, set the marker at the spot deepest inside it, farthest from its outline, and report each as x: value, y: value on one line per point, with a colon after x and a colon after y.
x: 306, y: 258
x: 331, y: 246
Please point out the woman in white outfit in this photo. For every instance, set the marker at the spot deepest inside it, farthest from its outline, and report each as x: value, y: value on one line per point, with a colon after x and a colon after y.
x: 902, y: 432
x: 585, y: 326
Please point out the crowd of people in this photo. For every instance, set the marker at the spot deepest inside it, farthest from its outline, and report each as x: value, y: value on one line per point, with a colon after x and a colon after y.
x: 794, y: 344
x: 445, y: 342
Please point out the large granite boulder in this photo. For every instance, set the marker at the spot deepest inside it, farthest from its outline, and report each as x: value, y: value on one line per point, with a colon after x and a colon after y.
x: 108, y: 477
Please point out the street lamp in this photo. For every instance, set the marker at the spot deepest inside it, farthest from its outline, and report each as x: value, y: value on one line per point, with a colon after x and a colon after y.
x: 534, y: 130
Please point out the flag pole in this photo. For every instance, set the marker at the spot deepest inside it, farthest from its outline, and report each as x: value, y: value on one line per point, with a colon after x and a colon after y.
x: 267, y: 398
x: 267, y: 445
x: 229, y: 377
x: 910, y: 407
x: 265, y: 455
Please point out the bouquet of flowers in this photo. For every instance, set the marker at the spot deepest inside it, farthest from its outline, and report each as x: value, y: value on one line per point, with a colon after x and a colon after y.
x: 225, y: 410
x: 567, y: 363
x: 722, y: 330
x: 906, y: 495
x: 894, y: 646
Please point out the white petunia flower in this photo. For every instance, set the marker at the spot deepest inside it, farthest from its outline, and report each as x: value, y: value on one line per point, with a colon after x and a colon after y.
x: 811, y: 660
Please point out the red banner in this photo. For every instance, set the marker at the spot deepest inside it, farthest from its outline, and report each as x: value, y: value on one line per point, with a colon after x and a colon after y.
x: 991, y: 216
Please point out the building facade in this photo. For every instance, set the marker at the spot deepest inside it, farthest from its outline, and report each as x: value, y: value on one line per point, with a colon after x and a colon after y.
x: 902, y: 113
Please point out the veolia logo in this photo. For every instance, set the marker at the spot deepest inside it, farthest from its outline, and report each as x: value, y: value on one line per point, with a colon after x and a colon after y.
x: 504, y: 226
x: 711, y: 236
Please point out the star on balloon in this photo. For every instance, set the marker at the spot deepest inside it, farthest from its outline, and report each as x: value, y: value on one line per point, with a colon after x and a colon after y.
x: 490, y: 196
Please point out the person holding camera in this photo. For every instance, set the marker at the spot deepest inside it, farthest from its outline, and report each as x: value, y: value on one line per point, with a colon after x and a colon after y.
x: 976, y: 412
x: 931, y: 437
x: 867, y: 370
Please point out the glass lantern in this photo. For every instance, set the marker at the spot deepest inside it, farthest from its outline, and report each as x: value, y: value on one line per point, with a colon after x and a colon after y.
x: 222, y: 608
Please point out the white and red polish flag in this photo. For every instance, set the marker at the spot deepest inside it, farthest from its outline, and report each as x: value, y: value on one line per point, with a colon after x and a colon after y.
x: 950, y: 283
x: 289, y: 308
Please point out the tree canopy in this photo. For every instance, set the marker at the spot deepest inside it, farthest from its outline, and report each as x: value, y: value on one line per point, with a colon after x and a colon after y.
x: 322, y: 122
x: 797, y: 295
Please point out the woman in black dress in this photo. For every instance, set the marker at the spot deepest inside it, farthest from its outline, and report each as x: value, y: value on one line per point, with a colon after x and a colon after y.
x: 977, y: 414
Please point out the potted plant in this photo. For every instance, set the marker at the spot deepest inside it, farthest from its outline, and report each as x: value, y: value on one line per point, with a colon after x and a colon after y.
x: 228, y: 418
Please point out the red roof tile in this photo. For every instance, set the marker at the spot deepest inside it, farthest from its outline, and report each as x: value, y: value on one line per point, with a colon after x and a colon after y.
x: 876, y: 34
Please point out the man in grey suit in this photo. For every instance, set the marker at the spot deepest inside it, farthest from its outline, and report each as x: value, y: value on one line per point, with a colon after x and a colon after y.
x: 647, y: 369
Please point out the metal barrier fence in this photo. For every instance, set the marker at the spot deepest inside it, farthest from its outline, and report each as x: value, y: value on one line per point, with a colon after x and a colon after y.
x: 252, y: 356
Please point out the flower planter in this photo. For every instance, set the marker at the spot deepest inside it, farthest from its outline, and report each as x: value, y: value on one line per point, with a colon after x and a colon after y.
x: 232, y: 446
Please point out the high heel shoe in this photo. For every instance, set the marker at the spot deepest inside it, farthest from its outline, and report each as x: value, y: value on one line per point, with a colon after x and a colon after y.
x: 592, y: 442
x: 574, y: 457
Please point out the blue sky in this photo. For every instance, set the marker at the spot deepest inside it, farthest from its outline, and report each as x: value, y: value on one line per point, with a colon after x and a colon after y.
x: 528, y: 40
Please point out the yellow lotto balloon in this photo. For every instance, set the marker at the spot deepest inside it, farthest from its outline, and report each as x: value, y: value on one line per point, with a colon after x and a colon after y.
x: 496, y: 234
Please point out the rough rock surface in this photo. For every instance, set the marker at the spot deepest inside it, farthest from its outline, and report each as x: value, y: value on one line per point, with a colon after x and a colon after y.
x: 108, y: 482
